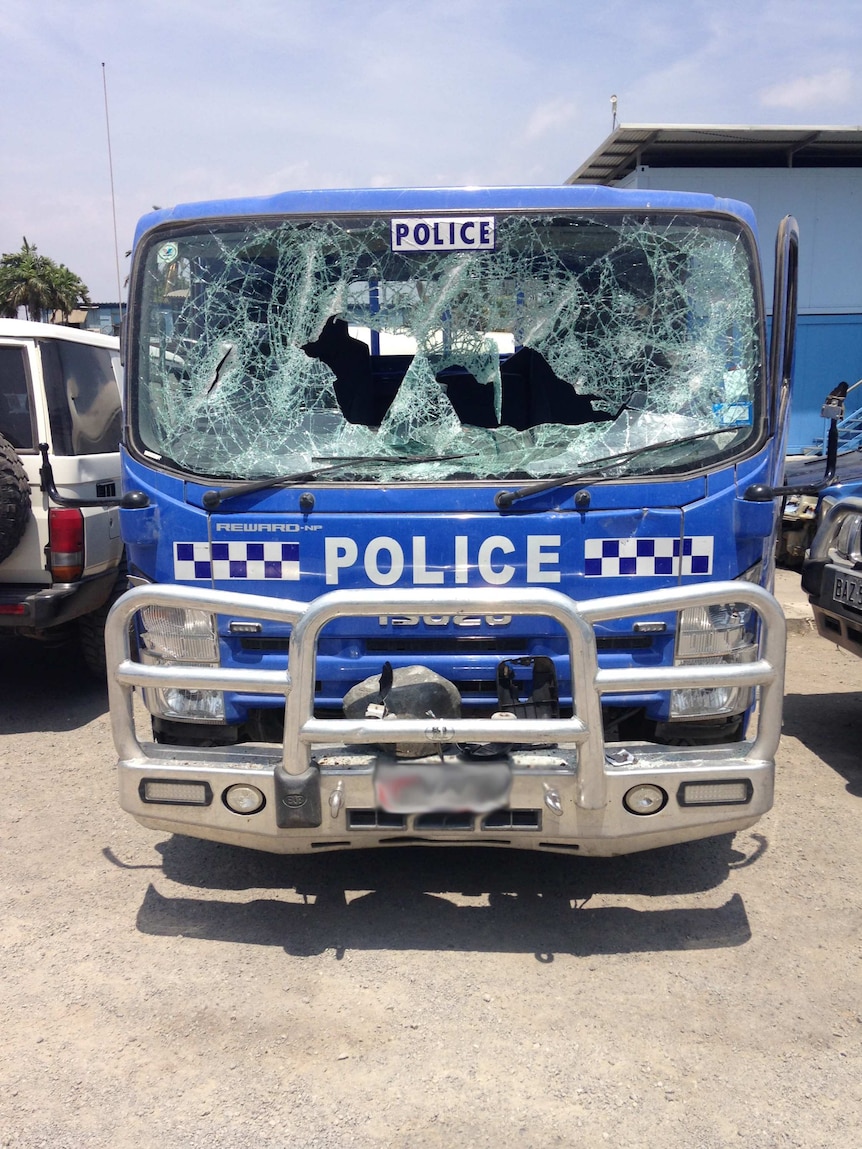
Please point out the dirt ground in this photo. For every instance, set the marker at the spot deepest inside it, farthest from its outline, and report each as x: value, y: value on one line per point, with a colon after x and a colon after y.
x: 159, y: 991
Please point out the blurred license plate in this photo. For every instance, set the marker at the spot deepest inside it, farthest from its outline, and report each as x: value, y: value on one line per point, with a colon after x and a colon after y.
x: 847, y: 590
x: 432, y: 787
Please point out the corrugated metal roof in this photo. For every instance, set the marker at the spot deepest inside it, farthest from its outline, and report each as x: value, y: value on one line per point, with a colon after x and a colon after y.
x: 718, y: 145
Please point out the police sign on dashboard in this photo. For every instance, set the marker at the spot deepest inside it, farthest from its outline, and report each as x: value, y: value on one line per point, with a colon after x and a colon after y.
x: 443, y: 233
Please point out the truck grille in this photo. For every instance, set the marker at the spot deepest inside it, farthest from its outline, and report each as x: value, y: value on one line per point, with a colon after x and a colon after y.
x: 375, y: 820
x: 456, y: 821
x: 476, y: 645
x: 454, y: 645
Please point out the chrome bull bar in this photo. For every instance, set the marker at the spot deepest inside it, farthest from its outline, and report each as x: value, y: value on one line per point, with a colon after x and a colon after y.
x: 582, y: 732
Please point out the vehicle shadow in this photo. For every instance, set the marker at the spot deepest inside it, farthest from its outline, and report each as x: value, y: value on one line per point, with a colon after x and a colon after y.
x: 830, y: 726
x: 46, y: 688
x: 397, y: 899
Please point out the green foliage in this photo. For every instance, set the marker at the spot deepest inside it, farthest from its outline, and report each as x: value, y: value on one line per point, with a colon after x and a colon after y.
x: 38, y: 284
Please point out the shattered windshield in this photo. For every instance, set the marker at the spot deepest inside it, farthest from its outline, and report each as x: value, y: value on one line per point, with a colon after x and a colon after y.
x: 523, y: 346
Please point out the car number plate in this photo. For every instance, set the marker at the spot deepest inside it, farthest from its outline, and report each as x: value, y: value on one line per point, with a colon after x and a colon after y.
x: 847, y: 589
x: 433, y: 787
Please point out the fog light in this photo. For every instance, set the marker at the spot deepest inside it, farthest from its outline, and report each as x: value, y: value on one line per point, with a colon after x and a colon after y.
x: 243, y: 799
x: 645, y: 799
x: 175, y: 793
x: 735, y: 793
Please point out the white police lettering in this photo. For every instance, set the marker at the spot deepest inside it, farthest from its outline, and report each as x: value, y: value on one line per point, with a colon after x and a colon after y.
x: 386, y: 561
x: 499, y: 575
x: 443, y: 233
x: 539, y: 556
x: 392, y: 567
x: 421, y: 575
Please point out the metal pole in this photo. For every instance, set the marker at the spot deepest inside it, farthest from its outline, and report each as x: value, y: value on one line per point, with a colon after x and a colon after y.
x: 113, y: 197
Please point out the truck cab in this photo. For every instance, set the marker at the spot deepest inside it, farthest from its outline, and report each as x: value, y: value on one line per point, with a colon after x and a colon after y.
x: 486, y: 452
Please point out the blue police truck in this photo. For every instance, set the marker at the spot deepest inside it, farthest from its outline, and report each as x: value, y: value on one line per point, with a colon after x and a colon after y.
x: 450, y: 518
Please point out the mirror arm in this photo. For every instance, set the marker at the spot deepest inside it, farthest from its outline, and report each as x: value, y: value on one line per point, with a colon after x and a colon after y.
x: 833, y: 410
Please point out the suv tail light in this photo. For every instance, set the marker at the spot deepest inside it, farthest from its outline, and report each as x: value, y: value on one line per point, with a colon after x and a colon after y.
x: 65, y: 543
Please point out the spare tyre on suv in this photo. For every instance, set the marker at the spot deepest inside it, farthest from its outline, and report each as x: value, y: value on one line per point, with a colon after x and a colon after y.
x: 61, y: 555
x: 14, y: 499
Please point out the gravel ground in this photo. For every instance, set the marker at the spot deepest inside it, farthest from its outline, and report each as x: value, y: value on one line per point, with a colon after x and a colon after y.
x: 158, y: 991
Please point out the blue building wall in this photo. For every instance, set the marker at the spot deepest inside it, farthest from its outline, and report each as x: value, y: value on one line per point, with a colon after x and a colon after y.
x: 828, y: 350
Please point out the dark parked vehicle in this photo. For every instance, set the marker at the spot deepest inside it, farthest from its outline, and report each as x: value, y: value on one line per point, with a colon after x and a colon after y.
x: 832, y: 571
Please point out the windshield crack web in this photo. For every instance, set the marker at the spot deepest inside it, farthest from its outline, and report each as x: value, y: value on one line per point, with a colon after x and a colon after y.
x: 273, y: 348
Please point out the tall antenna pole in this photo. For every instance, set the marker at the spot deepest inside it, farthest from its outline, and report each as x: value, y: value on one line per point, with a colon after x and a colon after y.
x: 113, y: 197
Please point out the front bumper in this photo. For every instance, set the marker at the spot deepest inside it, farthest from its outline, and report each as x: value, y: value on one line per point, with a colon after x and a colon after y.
x: 567, y: 790
x: 351, y: 818
x: 837, y: 606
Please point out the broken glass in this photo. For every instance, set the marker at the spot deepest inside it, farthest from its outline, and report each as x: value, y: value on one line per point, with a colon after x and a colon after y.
x: 274, y: 347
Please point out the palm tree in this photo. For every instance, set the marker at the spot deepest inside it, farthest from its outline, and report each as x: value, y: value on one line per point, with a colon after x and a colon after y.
x: 38, y: 284
x: 69, y: 291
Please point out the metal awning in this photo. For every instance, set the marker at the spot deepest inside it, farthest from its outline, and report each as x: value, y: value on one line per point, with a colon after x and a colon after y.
x: 718, y: 146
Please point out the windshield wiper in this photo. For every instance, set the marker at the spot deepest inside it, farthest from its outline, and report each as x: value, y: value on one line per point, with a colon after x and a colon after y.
x: 210, y: 500
x: 504, y: 499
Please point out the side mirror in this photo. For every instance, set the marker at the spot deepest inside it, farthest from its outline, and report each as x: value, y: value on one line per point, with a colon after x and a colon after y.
x: 833, y: 410
x: 833, y: 407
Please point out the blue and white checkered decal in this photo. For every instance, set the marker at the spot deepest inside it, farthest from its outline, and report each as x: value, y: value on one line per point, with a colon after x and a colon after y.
x: 252, y: 562
x: 610, y: 558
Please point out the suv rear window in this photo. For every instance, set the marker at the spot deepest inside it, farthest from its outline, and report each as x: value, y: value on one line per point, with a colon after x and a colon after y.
x: 15, y: 421
x: 83, y: 398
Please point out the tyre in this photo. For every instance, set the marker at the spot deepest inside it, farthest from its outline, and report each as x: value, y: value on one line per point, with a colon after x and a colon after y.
x: 91, y: 628
x: 14, y: 499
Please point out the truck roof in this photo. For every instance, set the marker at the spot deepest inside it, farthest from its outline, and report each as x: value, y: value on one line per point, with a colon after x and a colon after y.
x: 384, y: 201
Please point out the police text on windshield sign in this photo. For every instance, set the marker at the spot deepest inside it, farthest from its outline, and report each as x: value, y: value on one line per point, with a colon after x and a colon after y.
x: 443, y: 233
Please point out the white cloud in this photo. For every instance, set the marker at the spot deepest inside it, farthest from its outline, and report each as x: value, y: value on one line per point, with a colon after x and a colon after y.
x: 549, y: 117
x: 833, y: 87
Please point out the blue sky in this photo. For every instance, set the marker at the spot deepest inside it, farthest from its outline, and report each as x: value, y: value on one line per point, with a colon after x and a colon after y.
x: 212, y: 98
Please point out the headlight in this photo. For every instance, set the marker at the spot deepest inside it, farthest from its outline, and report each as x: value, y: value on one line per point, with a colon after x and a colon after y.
x: 171, y: 635
x: 706, y: 631
x: 186, y: 705
x: 711, y: 636
x: 715, y: 701
x: 848, y: 540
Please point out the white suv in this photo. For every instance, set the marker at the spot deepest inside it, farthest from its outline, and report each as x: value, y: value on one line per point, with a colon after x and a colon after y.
x: 61, y: 555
